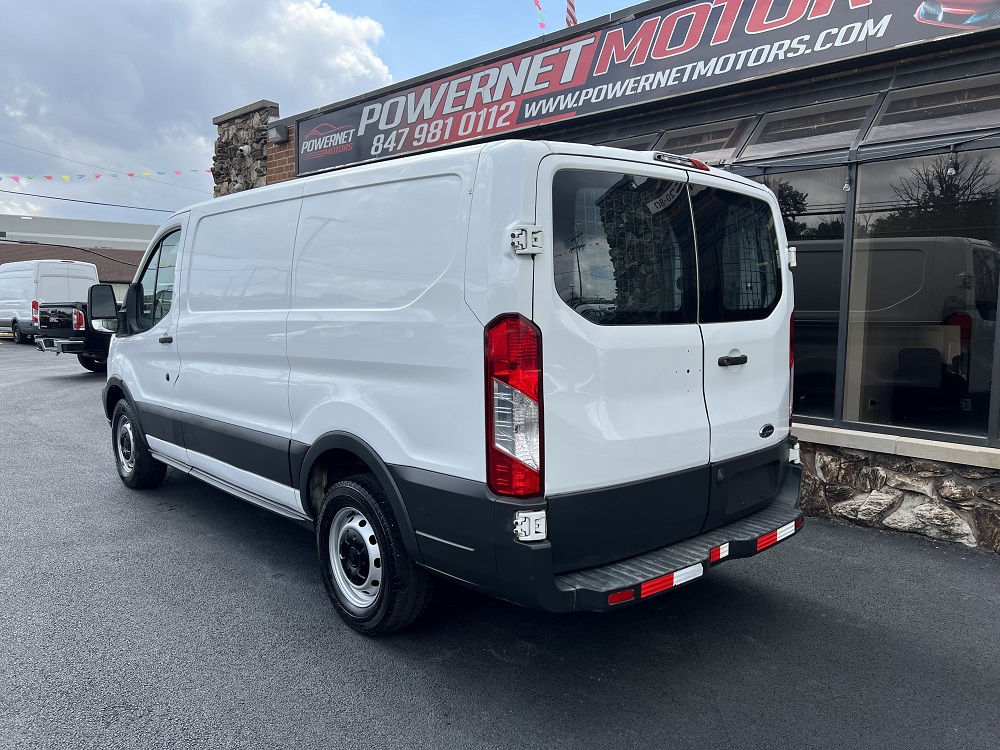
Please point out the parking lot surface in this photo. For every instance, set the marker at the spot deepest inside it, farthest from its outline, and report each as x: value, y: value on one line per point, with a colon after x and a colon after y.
x: 183, y: 617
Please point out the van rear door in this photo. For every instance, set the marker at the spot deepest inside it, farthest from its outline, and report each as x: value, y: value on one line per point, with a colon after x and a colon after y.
x: 745, y: 305
x: 625, y: 430
x: 744, y: 309
x: 65, y: 281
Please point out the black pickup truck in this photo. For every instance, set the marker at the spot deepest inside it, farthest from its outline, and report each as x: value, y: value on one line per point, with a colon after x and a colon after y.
x: 65, y: 327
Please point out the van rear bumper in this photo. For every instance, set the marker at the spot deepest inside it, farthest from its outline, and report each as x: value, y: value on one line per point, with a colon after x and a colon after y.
x: 526, y: 577
x: 450, y: 517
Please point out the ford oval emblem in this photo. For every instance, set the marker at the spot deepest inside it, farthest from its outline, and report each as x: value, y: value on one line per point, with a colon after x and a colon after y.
x: 767, y: 430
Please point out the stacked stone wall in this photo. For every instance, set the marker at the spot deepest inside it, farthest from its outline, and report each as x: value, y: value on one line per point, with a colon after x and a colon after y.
x: 940, y: 500
x: 233, y: 170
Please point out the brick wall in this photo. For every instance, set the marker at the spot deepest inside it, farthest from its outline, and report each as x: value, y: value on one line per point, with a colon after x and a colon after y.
x: 281, y: 159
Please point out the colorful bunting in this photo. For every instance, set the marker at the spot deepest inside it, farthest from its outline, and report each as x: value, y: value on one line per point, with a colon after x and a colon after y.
x: 113, y: 175
x: 541, y: 14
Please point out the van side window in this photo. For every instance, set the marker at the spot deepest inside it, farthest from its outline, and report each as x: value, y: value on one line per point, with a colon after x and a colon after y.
x: 739, y: 273
x: 157, y: 282
x: 623, y: 248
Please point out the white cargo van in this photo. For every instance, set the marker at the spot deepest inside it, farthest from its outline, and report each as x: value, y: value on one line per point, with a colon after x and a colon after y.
x: 555, y: 373
x: 26, y: 284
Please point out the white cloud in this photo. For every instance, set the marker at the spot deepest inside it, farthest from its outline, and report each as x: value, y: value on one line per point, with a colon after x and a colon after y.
x: 130, y: 85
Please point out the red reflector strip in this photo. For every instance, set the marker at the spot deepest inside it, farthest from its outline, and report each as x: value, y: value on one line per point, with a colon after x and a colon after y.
x: 671, y: 579
x: 621, y: 596
x: 776, y: 536
x: 719, y: 553
x: 798, y: 523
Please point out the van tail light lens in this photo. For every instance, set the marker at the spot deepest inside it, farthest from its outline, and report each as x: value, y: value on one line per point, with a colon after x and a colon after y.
x: 513, y: 406
x: 78, y: 324
x: 791, y: 365
x: 34, y: 311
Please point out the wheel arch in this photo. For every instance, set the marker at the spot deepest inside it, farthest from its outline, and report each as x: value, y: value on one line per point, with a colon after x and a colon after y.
x: 338, y: 455
x: 115, y: 391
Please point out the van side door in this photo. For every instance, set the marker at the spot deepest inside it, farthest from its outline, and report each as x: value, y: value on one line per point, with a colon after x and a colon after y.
x: 149, y: 359
x: 234, y: 301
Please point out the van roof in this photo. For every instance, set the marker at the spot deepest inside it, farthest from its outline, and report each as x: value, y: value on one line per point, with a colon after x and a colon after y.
x: 113, y: 265
x: 291, y: 189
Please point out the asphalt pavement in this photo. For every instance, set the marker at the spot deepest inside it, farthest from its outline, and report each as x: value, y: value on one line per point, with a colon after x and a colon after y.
x: 181, y: 617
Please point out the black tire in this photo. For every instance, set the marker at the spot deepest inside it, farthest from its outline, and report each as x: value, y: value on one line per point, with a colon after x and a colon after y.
x: 373, y: 583
x: 94, y: 364
x: 136, y: 467
x: 19, y: 338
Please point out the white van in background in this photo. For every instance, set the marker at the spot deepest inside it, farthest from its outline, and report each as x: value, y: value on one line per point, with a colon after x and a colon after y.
x: 555, y: 373
x: 24, y: 285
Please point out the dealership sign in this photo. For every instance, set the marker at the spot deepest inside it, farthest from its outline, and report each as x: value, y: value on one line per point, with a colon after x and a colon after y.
x: 676, y: 50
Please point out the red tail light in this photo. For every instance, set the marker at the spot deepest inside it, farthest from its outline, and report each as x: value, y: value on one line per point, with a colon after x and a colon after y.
x: 34, y: 311
x: 78, y: 324
x: 513, y: 407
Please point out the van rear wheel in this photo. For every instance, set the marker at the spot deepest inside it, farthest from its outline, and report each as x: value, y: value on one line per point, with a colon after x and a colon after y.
x: 19, y: 338
x: 136, y: 466
x: 373, y: 583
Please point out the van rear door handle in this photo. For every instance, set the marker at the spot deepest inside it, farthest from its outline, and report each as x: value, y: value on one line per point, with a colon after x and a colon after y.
x: 170, y: 340
x: 728, y: 361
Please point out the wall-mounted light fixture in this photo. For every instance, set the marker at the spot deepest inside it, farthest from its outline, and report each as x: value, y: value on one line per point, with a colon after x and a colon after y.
x: 847, y: 184
x: 277, y: 133
x: 952, y: 165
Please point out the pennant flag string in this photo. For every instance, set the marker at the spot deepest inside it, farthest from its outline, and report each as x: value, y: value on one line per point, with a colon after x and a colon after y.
x: 114, y: 175
x: 541, y: 14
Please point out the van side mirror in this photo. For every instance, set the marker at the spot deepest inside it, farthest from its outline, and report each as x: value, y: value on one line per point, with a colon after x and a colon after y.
x: 101, y: 302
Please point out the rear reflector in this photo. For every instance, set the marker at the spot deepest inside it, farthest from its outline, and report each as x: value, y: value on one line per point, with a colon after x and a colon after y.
x: 672, y: 579
x: 777, y: 535
x: 621, y: 596
x: 719, y: 553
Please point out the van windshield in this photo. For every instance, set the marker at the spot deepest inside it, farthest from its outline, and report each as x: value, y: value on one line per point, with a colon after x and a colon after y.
x: 624, y: 250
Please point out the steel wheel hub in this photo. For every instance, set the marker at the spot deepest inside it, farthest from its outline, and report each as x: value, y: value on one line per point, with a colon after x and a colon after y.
x: 355, y: 558
x: 125, y: 443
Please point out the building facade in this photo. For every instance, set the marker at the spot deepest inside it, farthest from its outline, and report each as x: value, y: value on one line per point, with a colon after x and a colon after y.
x: 877, y: 124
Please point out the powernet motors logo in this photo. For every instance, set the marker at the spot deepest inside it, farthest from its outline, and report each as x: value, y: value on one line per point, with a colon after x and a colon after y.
x: 326, y: 139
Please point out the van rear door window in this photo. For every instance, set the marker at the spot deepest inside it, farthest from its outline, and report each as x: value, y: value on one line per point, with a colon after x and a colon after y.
x: 623, y: 248
x: 737, y: 256
x: 624, y: 251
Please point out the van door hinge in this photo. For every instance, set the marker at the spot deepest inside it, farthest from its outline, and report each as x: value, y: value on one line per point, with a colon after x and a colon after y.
x: 530, y: 525
x: 526, y: 240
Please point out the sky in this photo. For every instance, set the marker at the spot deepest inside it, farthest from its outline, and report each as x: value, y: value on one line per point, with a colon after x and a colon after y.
x: 117, y: 86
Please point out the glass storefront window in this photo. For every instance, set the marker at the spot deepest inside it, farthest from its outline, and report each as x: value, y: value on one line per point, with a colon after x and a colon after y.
x: 923, y: 292
x: 812, y: 206
x: 633, y: 143
x: 939, y: 108
x: 713, y: 144
x: 821, y: 127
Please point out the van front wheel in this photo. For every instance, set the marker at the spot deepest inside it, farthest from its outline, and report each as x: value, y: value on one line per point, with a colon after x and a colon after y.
x: 136, y: 467
x: 373, y: 583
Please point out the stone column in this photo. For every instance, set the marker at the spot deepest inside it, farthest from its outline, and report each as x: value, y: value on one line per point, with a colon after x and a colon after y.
x: 240, y: 161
